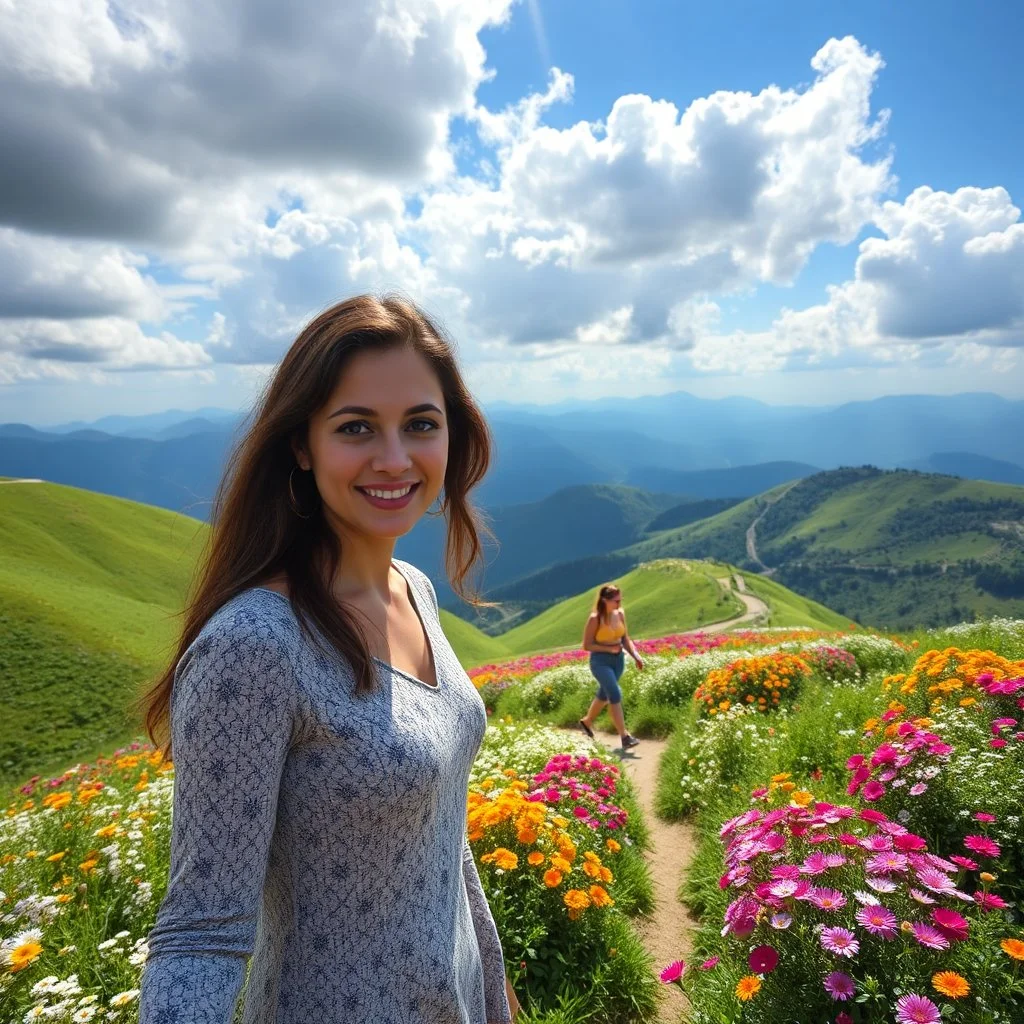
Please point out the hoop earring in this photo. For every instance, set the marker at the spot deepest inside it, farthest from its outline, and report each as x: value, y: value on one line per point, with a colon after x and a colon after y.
x: 291, y: 497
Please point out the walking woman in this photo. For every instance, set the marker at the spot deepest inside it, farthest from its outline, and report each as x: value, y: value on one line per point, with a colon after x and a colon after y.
x: 605, y: 636
x: 321, y: 726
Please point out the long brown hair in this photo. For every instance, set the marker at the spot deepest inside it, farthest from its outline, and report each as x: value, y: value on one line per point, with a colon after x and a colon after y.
x: 257, y: 532
x: 607, y: 591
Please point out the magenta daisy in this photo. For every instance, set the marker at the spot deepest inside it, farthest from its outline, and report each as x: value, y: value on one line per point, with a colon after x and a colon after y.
x: 883, y: 863
x: 965, y: 862
x: 950, y: 923
x: 915, y: 1009
x: 929, y: 937
x: 709, y: 963
x: 840, y: 941
x: 932, y: 878
x: 786, y: 887
x: 877, y: 920
x: 827, y: 899
x: 873, y: 790
x: 763, y: 960
x: 989, y: 901
x: 921, y: 897
x: 839, y: 986
x: 983, y: 816
x: 673, y: 972
x: 983, y: 845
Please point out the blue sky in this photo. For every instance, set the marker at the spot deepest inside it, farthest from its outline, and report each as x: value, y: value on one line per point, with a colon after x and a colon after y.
x: 790, y: 232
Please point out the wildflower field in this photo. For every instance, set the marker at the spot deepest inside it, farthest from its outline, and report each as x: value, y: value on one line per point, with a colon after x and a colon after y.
x: 856, y: 800
x: 556, y: 835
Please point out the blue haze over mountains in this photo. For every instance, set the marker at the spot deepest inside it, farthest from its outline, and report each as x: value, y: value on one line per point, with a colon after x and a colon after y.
x: 677, y: 447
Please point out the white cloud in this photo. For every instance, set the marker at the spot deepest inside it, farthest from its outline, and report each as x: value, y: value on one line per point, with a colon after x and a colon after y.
x: 944, y: 284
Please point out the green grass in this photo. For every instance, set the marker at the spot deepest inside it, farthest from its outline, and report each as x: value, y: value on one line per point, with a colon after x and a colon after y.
x: 787, y: 608
x: 90, y: 590
x: 660, y: 598
x: 473, y: 646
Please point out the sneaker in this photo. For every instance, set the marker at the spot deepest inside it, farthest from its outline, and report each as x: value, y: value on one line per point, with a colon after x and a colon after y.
x: 586, y: 728
x: 629, y: 742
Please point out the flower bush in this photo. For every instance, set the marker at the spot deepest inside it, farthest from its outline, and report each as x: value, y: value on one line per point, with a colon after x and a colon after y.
x: 837, y: 907
x: 833, y: 664
x: 84, y: 860
x: 875, y: 653
x: 939, y: 676
x: 761, y: 681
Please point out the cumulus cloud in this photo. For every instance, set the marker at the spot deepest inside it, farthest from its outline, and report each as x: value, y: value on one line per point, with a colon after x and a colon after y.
x: 653, y: 206
x: 944, y: 283
x: 117, y: 118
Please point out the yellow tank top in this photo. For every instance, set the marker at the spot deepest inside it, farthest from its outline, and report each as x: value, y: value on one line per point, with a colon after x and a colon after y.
x: 608, y: 634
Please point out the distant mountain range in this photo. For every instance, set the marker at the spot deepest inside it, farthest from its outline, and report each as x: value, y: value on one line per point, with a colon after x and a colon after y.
x: 678, y: 444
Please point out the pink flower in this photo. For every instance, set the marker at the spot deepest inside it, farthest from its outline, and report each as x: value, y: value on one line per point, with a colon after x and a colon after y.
x: 709, y: 964
x: 840, y: 941
x: 918, y: 788
x: 870, y: 814
x: 932, y: 878
x: 914, y: 1009
x: 882, y: 863
x: 877, y: 920
x: 989, y: 901
x: 997, y: 744
x: 984, y: 817
x: 908, y: 842
x: 880, y: 883
x: 928, y: 936
x: 921, y: 897
x: 827, y: 899
x: 763, y: 960
x: 780, y: 922
x: 844, y: 1018
x: 950, y: 923
x: 785, y: 887
x: 673, y: 972
x: 964, y: 862
x: 983, y: 845
x: 839, y: 986
x: 873, y: 790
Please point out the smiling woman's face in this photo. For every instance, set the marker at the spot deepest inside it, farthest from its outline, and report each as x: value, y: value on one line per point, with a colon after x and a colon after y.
x: 378, y: 448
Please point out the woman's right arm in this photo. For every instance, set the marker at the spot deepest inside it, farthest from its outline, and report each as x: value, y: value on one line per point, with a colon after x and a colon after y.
x: 231, y: 728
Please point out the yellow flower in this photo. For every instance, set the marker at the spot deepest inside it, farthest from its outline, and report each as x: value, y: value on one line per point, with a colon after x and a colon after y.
x: 600, y: 897
x: 552, y: 878
x: 535, y: 858
x: 1013, y: 948
x: 801, y: 798
x: 55, y: 857
x: 748, y: 987
x: 21, y: 956
x: 504, y: 859
x: 613, y: 846
x: 951, y: 984
x: 987, y: 876
x: 106, y: 832
x: 560, y: 864
x: 87, y: 865
x: 577, y: 901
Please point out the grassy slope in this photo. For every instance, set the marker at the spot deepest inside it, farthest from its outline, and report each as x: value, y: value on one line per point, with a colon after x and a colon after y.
x: 471, y: 645
x: 659, y: 599
x: 90, y: 587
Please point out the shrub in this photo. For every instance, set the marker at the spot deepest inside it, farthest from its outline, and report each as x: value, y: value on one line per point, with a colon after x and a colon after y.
x: 874, y: 653
x: 761, y: 681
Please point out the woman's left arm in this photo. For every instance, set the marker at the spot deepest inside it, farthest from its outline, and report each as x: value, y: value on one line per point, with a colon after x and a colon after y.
x: 628, y: 644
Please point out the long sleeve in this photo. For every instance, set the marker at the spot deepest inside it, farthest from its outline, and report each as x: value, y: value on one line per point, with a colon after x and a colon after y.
x: 491, y: 957
x: 231, y: 729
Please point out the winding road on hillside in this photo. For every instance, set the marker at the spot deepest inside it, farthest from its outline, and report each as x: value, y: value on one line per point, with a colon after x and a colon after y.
x: 752, y: 529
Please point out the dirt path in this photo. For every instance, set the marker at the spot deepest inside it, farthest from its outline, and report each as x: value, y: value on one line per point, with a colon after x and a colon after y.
x: 666, y: 933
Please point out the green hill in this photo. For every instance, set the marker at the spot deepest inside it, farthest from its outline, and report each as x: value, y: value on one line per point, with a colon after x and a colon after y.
x: 786, y: 608
x: 659, y: 598
x: 90, y: 589
x: 894, y: 548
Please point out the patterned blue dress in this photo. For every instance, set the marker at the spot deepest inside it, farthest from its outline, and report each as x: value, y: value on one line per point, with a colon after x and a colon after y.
x: 322, y: 834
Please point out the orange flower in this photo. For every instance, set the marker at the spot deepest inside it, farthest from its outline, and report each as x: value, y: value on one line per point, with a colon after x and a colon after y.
x: 748, y: 987
x: 552, y: 878
x: 600, y: 897
x: 1013, y: 948
x: 613, y: 846
x: 535, y: 858
x: 21, y: 956
x: 951, y: 984
x: 577, y: 901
